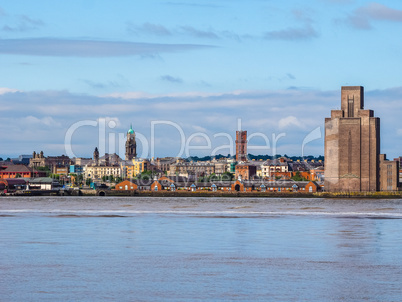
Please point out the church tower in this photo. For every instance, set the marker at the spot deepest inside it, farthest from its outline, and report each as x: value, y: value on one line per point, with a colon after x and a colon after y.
x: 131, y: 145
x: 96, y: 156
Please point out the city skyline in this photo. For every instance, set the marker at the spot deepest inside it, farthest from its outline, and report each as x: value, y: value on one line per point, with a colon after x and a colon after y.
x: 199, y: 64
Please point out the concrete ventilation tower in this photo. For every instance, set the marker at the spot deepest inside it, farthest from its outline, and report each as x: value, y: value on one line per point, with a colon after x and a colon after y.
x: 352, y: 145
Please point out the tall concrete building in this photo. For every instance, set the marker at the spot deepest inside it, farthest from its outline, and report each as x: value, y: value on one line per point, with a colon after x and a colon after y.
x: 352, y: 145
x: 131, y: 145
x: 241, y: 145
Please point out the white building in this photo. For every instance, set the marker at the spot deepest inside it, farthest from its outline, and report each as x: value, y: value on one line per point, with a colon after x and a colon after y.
x: 270, y: 167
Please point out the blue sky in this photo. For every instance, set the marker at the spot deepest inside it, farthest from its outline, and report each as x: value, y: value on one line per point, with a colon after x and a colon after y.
x: 202, y: 65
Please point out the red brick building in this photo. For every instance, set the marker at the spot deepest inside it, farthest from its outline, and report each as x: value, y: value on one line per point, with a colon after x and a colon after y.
x: 126, y: 186
x: 19, y: 171
x: 241, y: 145
x: 246, y: 171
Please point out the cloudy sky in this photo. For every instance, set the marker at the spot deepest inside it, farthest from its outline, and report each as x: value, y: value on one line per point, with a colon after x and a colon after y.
x: 75, y: 74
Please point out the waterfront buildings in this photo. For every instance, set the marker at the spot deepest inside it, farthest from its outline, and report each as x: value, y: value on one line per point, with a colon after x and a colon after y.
x: 389, y: 174
x: 245, y: 171
x: 163, y: 164
x: 99, y: 167
x: 19, y: 171
x: 166, y: 183
x: 352, y: 153
x: 98, y: 172
x: 51, y: 162
x: 275, y: 167
x: 132, y: 168
x: 192, y: 169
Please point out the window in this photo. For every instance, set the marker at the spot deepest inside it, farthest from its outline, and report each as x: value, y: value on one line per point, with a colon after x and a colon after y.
x: 351, y: 107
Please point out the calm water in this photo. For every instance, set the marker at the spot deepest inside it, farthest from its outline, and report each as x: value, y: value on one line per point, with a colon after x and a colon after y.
x: 197, y: 249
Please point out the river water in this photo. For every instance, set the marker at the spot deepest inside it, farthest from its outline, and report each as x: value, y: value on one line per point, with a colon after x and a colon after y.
x: 199, y: 249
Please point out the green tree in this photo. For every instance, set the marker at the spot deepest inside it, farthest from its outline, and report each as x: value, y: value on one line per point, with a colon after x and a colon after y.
x: 73, y: 178
x: 298, y: 177
x: 201, y: 179
x: 88, y: 181
x: 145, y: 175
x: 44, y: 169
x: 213, y: 177
x: 227, y: 176
x: 18, y: 175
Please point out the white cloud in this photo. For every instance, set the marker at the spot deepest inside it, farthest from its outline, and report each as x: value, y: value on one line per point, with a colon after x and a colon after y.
x: 47, y: 121
x: 44, y: 117
x: 199, y: 129
x: 288, y: 122
x: 4, y: 90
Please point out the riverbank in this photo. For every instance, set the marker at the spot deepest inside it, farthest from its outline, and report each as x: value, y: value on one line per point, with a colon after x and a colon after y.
x: 111, y: 193
x: 374, y: 195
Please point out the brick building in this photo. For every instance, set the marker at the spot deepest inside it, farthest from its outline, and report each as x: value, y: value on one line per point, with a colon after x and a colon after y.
x: 389, y: 174
x: 352, y: 147
x: 19, y: 171
x: 52, y: 162
x: 163, y: 164
x: 241, y: 146
x: 186, y: 169
x: 245, y: 171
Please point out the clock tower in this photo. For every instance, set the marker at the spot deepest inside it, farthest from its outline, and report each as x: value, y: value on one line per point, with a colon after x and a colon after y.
x: 131, y: 145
